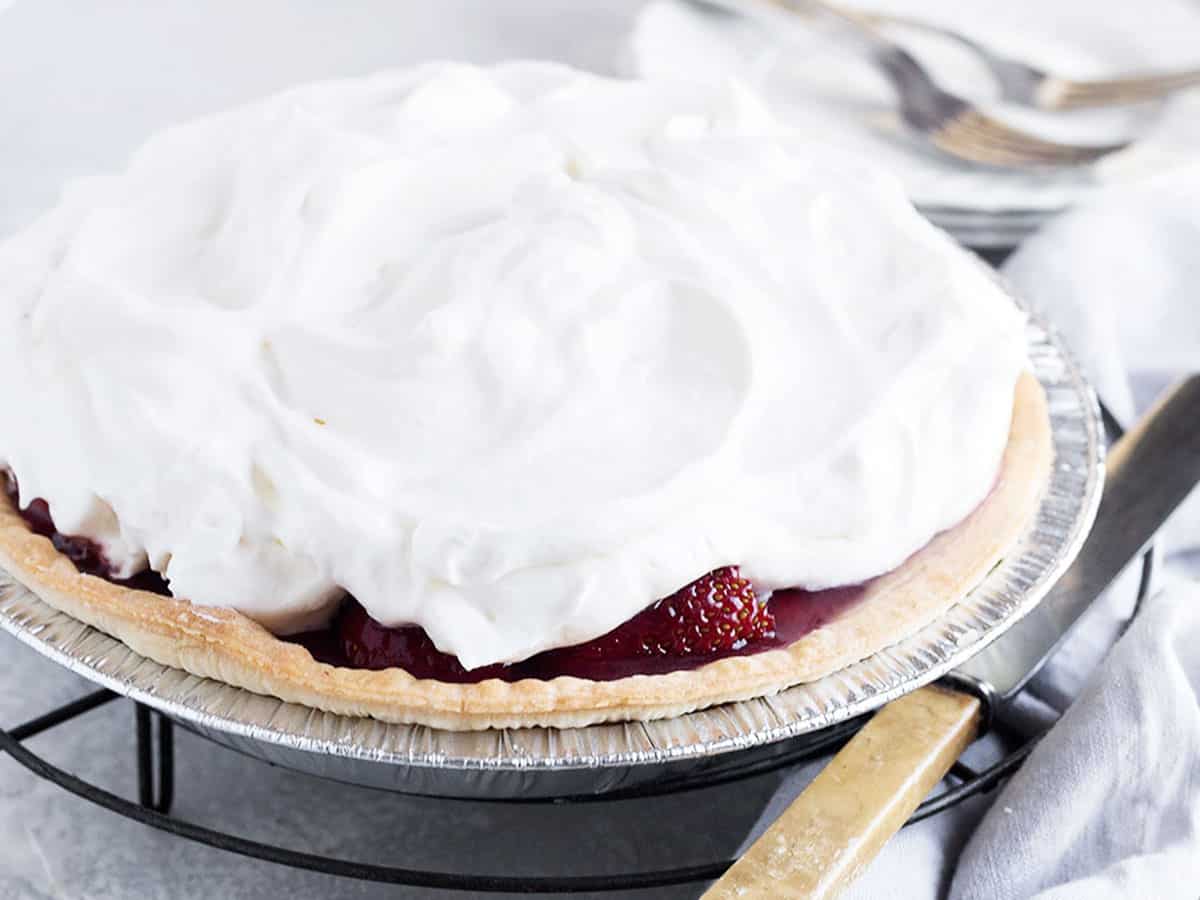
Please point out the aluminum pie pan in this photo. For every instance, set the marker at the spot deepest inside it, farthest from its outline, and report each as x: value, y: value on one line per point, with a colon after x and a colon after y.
x: 540, y: 762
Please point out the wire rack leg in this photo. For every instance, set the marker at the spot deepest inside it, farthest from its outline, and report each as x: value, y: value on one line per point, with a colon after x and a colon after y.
x: 155, y: 760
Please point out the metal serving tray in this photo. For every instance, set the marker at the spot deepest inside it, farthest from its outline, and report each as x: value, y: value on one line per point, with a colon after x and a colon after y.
x: 540, y: 762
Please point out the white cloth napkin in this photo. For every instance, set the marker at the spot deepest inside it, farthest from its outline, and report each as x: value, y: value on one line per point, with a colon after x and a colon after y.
x: 836, y: 94
x: 1109, y: 803
x: 1120, y: 276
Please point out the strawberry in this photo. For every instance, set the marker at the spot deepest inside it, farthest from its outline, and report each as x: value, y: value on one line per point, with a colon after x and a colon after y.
x: 717, y: 613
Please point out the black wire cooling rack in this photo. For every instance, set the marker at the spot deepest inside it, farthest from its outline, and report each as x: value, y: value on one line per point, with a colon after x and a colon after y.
x: 154, y: 742
x: 155, y: 760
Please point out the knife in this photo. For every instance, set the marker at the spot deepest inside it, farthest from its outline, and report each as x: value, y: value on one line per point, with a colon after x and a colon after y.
x: 1150, y: 471
x: 869, y: 789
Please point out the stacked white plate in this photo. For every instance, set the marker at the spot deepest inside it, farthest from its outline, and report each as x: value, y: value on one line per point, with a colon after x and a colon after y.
x: 831, y: 93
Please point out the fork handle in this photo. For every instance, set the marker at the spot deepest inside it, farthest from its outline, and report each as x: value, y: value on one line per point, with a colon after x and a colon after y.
x: 844, y: 817
x: 1059, y: 94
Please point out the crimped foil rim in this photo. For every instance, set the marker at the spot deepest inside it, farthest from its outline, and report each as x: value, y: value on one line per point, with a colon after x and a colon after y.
x: 1008, y: 592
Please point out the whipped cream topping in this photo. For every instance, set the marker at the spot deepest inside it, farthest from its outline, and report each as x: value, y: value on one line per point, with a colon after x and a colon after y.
x: 507, y: 353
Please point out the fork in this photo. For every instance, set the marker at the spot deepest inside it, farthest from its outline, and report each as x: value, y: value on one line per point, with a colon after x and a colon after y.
x: 948, y: 122
x: 1029, y: 85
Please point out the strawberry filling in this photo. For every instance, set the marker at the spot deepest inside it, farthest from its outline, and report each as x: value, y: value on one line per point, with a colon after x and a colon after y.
x: 712, y: 618
x: 86, y: 554
x: 716, y: 616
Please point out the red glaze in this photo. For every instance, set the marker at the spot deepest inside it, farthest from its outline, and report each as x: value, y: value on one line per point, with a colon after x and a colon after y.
x: 365, y: 644
x: 714, y: 617
x: 361, y: 642
x: 86, y: 554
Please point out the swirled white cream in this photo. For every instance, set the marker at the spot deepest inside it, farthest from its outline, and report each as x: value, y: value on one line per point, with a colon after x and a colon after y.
x: 508, y: 353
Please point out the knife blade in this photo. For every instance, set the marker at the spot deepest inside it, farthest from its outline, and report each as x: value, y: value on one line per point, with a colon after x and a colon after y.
x: 1150, y: 472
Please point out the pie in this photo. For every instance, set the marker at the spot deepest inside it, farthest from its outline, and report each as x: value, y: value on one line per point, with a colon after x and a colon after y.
x: 497, y: 397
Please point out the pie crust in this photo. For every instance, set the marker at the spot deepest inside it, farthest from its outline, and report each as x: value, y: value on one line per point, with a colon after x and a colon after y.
x: 225, y: 645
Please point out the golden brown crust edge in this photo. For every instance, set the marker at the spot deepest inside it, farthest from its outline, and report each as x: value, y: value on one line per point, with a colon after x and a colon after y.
x: 227, y: 646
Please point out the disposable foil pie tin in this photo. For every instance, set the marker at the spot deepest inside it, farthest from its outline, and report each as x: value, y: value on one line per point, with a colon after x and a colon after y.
x: 532, y: 762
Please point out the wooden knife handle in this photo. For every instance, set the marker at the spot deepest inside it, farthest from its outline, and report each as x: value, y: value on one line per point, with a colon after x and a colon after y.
x: 866, y: 793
